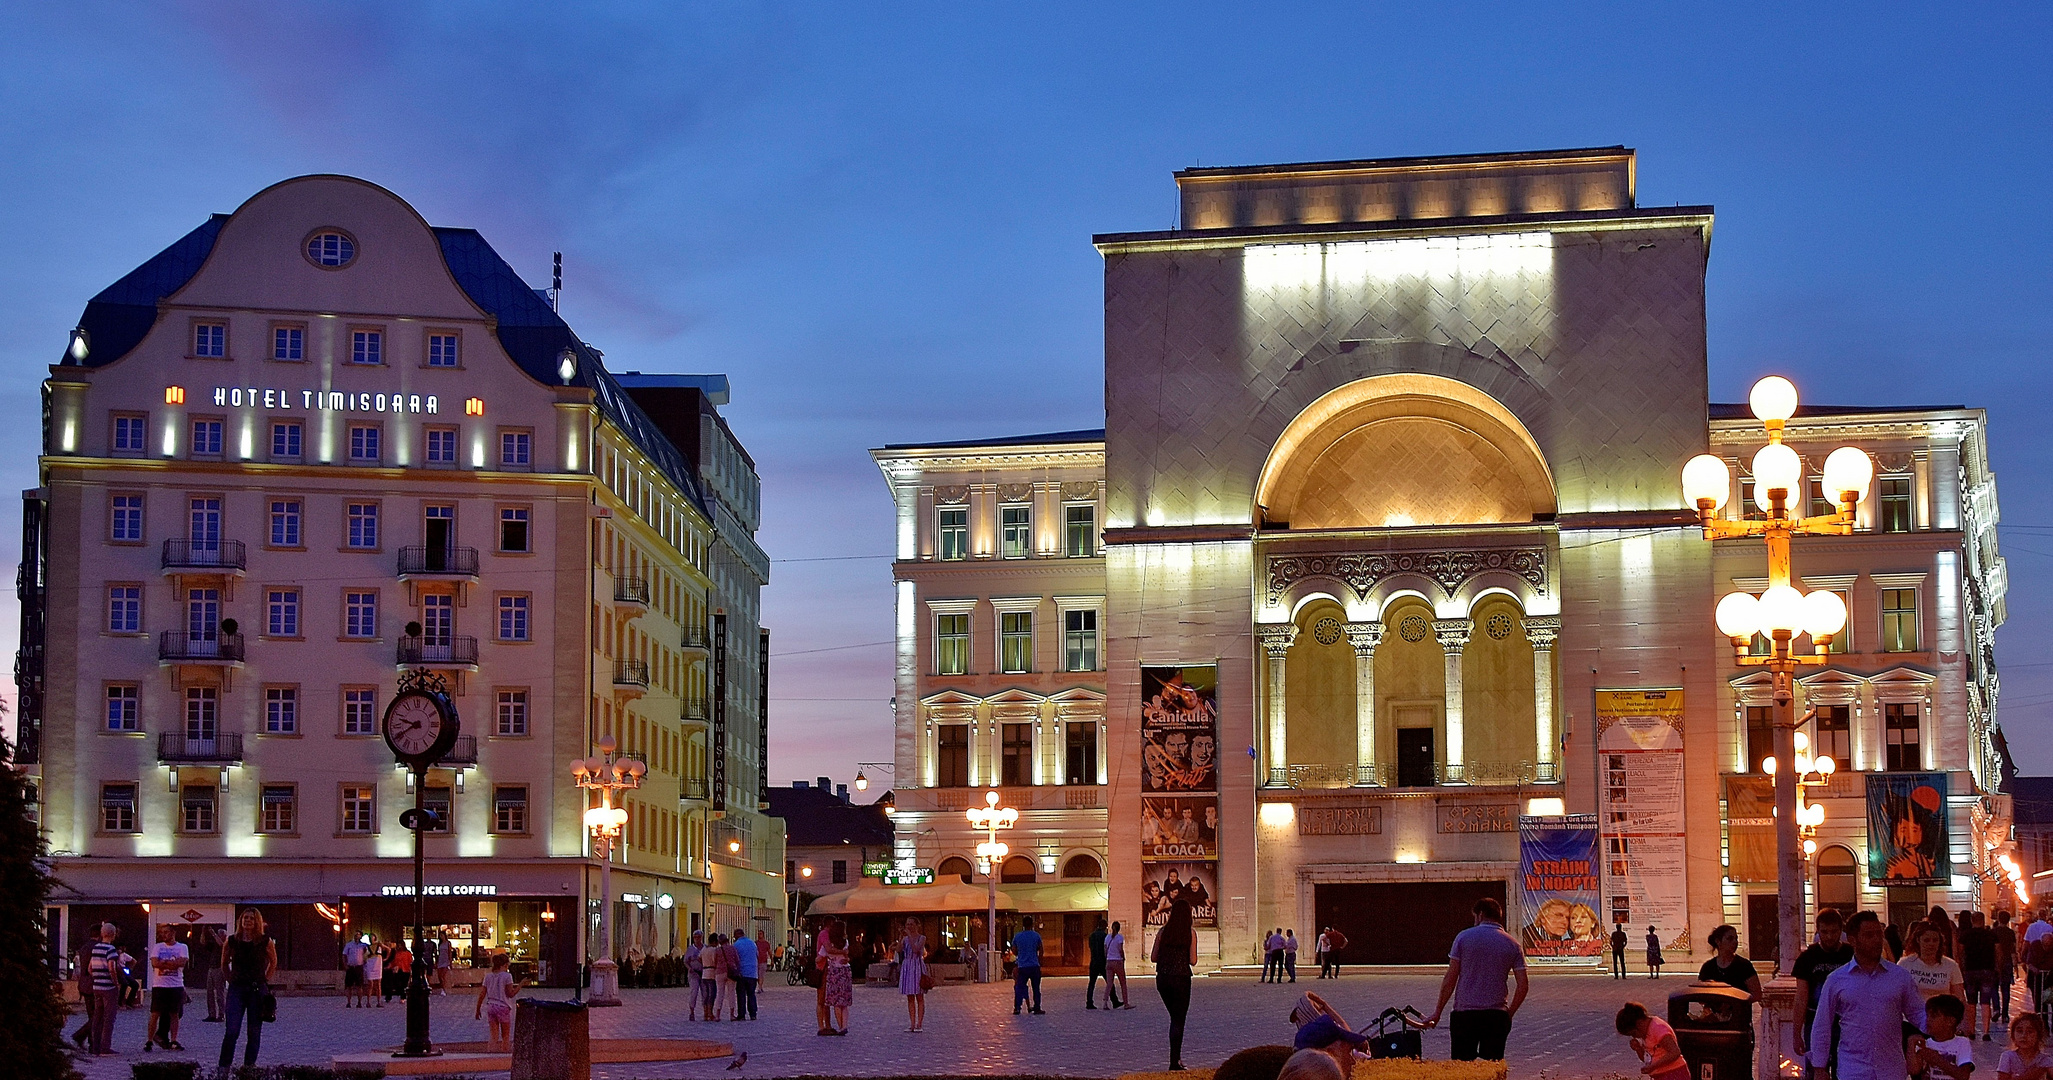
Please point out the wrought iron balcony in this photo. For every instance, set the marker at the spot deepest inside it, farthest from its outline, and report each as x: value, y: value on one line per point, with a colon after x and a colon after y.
x: 695, y: 710
x: 176, y: 748
x: 630, y: 673
x: 631, y: 590
x: 224, y: 556
x: 447, y: 561
x: 463, y: 752
x: 695, y: 639
x: 693, y: 787
x: 443, y: 652
x: 185, y: 647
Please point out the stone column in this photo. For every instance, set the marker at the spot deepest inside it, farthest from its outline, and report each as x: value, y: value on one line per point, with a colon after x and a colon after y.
x: 1453, y: 635
x: 1275, y: 640
x: 1542, y: 631
x: 1364, y: 636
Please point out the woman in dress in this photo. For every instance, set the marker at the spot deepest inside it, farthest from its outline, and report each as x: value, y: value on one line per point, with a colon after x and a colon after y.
x: 840, y: 987
x: 1176, y: 948
x: 1653, y: 953
x: 912, y: 971
x: 374, y: 972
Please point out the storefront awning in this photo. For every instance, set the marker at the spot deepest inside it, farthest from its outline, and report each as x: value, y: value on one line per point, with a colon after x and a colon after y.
x: 873, y: 899
x: 1054, y: 897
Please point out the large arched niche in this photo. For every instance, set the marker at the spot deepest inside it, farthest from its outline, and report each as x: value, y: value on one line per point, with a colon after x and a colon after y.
x: 1404, y: 450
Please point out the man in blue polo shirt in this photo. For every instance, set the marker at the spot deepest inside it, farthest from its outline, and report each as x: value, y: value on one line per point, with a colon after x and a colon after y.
x: 1026, y: 965
x: 744, y: 976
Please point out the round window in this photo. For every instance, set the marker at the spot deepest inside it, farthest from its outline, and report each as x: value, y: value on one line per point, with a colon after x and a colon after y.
x: 331, y: 248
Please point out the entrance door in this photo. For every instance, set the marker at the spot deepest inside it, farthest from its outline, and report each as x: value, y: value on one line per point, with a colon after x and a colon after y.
x: 441, y: 535
x: 1763, y: 926
x: 1414, y: 757
x: 1433, y: 912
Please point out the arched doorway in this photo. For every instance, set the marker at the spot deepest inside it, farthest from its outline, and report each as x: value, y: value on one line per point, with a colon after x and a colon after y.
x: 1839, y: 880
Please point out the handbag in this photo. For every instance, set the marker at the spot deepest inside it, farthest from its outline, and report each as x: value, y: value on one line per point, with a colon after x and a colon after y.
x: 267, y: 1005
x: 926, y: 981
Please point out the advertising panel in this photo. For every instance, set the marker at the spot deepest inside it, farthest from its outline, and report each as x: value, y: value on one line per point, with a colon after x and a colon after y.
x: 1179, y: 729
x: 1907, y: 829
x: 1179, y: 828
x: 1180, y: 786
x: 1750, y: 828
x: 1639, y: 753
x: 1163, y: 882
x: 1557, y: 872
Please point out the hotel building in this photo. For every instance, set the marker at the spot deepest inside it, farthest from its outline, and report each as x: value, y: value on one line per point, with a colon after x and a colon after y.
x: 315, y: 443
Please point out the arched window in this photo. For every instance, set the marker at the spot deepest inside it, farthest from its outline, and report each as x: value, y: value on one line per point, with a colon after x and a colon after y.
x: 1082, y: 867
x: 1839, y: 882
x: 954, y: 866
x: 1018, y: 870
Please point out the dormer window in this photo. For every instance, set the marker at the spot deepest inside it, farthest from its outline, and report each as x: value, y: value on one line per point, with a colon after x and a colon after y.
x: 331, y: 249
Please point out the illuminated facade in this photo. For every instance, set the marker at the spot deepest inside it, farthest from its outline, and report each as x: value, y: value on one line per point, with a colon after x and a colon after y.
x: 311, y: 444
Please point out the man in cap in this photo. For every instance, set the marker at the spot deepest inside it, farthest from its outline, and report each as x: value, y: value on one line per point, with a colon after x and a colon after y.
x: 1326, y: 1035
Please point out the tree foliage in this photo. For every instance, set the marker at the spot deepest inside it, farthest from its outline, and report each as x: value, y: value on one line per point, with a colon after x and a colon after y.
x: 32, y: 1039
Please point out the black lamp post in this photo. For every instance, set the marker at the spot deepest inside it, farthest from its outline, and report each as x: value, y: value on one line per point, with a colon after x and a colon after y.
x: 420, y: 727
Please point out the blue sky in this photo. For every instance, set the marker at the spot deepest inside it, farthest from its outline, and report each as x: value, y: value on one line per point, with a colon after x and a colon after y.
x: 877, y: 219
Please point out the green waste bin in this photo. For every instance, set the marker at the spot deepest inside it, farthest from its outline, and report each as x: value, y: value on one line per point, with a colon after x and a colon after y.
x: 1714, y: 1025
x: 552, y: 1040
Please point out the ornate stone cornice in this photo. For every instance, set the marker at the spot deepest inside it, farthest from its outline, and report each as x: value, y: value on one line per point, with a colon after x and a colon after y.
x: 1364, y: 636
x: 1542, y: 630
x: 1275, y: 638
x: 1450, y: 569
x: 1453, y: 633
x: 951, y: 494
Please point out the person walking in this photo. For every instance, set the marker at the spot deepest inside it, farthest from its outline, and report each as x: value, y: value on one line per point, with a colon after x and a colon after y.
x: 1026, y: 966
x: 1115, y: 968
x: 913, y: 980
x: 1653, y: 953
x: 2038, y: 963
x: 1290, y: 953
x: 168, y: 959
x: 103, y: 965
x: 398, y: 969
x: 1934, y: 972
x: 1830, y: 952
x: 1727, y: 966
x: 1867, y: 1003
x: 1978, y: 974
x: 840, y: 985
x: 694, y: 971
x: 352, y: 973
x: 1334, y: 942
x: 2006, y: 963
x: 1097, y: 944
x: 374, y: 971
x: 1272, y: 956
x: 445, y: 961
x: 1319, y: 952
x: 1176, y: 949
x: 747, y: 969
x: 1482, y: 957
x: 720, y: 968
x: 1618, y: 944
x: 249, y: 961
x: 495, y: 1003
x: 206, y: 958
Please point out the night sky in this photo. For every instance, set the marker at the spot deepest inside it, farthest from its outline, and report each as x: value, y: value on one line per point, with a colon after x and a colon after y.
x: 878, y: 222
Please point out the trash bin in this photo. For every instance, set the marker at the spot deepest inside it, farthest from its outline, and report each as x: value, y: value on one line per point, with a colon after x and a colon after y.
x: 551, y: 1040
x: 1714, y: 1023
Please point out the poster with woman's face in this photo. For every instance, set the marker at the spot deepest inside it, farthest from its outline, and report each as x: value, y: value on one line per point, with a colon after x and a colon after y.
x: 1179, y: 729
x: 1907, y: 829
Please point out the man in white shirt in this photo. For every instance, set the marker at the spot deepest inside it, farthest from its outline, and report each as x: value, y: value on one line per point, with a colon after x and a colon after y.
x: 353, y: 973
x: 168, y: 958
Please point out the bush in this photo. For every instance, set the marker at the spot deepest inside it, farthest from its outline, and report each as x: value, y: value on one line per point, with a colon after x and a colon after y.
x: 165, y: 1070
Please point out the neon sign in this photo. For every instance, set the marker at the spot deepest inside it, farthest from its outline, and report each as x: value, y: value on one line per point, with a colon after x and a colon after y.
x: 266, y: 397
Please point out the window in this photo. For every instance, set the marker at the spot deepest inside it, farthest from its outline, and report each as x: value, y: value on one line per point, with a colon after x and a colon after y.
x: 331, y: 249
x: 203, y: 523
x: 359, y: 711
x: 515, y: 449
x: 131, y: 434
x: 285, y: 523
x: 360, y: 614
x: 438, y: 620
x: 1079, y: 531
x: 117, y: 808
x: 442, y: 350
x: 202, y: 714
x: 281, y: 710
x: 1016, y: 760
x: 196, y: 808
x: 363, y: 525
x: 513, y: 618
x: 1895, y: 512
x: 1015, y: 641
x: 287, y: 439
x: 951, y: 757
x: 1832, y: 734
x: 1080, y: 640
x: 363, y: 442
x: 1821, y: 503
x: 202, y: 615
x: 952, y: 532
x: 1016, y: 528
x: 127, y: 525
x: 1899, y: 620
x: 359, y: 808
x: 281, y: 613
x: 437, y: 801
x: 210, y: 340
x: 510, y: 808
x: 1900, y: 737
x: 841, y: 871
x: 123, y: 707
x: 1760, y: 736
x: 1082, y: 868
x: 1016, y: 870
x: 1080, y: 760
x: 278, y: 809
x: 441, y: 446
x: 951, y: 645
x: 366, y: 347
x: 1749, y: 510
x: 124, y: 609
x: 513, y: 713
x: 513, y: 528
x: 206, y: 437
x: 288, y: 343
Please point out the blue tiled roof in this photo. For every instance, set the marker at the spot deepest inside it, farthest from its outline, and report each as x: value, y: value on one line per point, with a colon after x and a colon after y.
x: 118, y: 319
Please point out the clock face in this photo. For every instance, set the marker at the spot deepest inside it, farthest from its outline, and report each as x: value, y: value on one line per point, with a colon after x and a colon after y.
x: 413, y: 725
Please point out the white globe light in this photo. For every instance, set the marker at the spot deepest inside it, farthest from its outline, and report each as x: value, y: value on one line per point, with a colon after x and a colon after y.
x: 1777, y: 468
x: 1827, y: 766
x: 1768, y: 765
x: 1705, y: 477
x: 1773, y: 399
x: 1803, y: 763
x: 1739, y: 615
x: 1810, y: 847
x: 1848, y: 469
x: 1824, y: 613
x: 1801, y: 741
x: 1782, y: 608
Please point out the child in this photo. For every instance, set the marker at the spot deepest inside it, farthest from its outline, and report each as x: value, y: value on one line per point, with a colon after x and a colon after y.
x: 495, y: 1002
x: 2027, y: 1058
x: 1946, y: 1055
x: 1654, y: 1041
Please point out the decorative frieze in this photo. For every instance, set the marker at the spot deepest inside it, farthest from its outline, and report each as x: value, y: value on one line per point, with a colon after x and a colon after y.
x: 1079, y: 490
x: 951, y: 494
x: 1015, y: 493
x: 1450, y: 569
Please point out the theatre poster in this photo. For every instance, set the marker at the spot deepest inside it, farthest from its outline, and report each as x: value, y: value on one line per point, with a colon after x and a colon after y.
x: 1641, y: 814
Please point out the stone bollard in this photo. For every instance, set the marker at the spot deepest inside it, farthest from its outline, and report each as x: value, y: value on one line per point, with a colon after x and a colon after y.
x: 1782, y: 1004
x: 552, y: 1040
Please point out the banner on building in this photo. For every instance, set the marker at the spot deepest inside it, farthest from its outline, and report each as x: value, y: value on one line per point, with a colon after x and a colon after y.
x: 1750, y: 828
x: 1179, y: 729
x: 1907, y: 829
x: 1179, y: 828
x: 1557, y: 875
x: 1180, y: 785
x: 1163, y: 883
x: 1641, y: 812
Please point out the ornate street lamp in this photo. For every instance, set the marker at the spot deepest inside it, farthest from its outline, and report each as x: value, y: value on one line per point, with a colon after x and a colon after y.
x: 606, y: 774
x: 990, y: 818
x: 1782, y: 612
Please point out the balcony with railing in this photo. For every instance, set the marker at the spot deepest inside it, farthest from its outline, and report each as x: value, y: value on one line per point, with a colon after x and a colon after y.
x: 447, y: 561
x: 463, y: 753
x: 694, y: 787
x: 453, y: 651
x: 204, y: 556
x: 694, y: 709
x: 631, y: 674
x: 632, y: 591
x: 185, y: 647
x: 694, y: 639
x: 178, y: 748
x: 1320, y: 776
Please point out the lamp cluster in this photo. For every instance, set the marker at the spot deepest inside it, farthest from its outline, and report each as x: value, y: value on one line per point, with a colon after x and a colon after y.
x: 606, y: 774
x: 990, y: 818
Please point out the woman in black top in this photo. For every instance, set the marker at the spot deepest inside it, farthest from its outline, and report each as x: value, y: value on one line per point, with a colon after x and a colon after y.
x: 1728, y: 966
x: 248, y: 960
x: 1176, y: 947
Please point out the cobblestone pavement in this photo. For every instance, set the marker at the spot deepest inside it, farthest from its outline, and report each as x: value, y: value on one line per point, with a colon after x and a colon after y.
x: 1564, y: 1030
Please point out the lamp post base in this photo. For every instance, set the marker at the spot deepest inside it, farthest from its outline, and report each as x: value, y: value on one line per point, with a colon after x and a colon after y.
x: 1782, y: 1000
x: 605, y: 984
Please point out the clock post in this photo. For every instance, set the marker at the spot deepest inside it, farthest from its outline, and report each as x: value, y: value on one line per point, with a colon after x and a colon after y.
x: 420, y: 727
